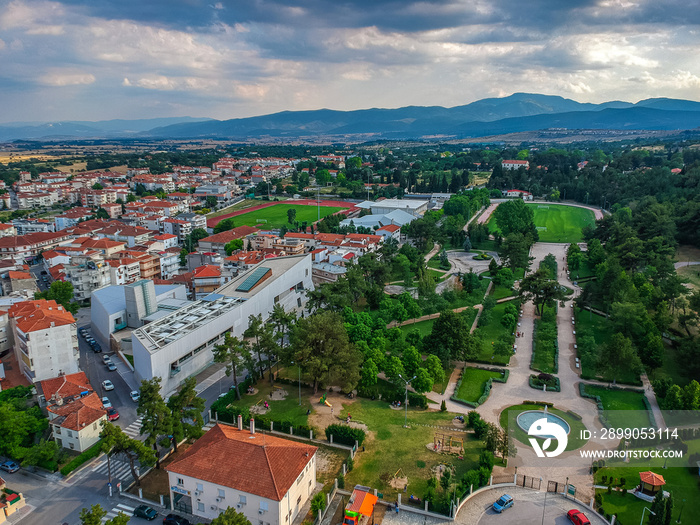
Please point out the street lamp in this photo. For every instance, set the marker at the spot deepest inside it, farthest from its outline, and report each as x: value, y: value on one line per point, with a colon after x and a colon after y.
x: 405, y: 420
x: 641, y: 522
x: 544, y: 508
x: 681, y: 512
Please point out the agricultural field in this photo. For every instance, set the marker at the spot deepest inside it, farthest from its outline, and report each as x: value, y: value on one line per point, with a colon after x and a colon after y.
x: 276, y: 216
x: 557, y: 222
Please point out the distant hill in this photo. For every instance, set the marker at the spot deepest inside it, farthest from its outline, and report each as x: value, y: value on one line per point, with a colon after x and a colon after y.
x: 492, y: 116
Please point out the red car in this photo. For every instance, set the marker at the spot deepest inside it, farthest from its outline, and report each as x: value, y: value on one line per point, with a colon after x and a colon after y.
x: 112, y: 414
x: 577, y: 517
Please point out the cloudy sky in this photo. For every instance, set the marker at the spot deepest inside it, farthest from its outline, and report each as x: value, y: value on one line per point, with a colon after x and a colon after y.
x: 103, y: 59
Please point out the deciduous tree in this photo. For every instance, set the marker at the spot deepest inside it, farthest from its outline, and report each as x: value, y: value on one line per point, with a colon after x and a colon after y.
x: 233, y: 352
x: 186, y: 412
x: 156, y: 418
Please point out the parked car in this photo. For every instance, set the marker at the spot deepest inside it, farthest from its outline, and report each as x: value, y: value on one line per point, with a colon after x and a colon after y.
x: 106, y: 359
x: 96, y: 348
x: 111, y: 366
x: 112, y: 414
x: 503, y: 503
x: 10, y: 466
x: 577, y: 517
x: 173, y: 519
x: 107, y: 385
x: 144, y: 511
x: 135, y: 395
x: 106, y: 402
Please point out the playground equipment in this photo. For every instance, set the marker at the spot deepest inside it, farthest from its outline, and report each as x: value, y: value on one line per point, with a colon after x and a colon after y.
x: 360, y: 506
x: 447, y: 443
x: 324, y: 401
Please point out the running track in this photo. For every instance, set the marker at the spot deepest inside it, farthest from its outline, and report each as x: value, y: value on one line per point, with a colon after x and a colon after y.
x: 302, y: 202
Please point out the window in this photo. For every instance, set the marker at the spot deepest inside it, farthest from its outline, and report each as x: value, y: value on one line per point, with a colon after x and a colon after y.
x: 263, y: 505
x: 56, y: 430
x: 222, y: 493
x: 200, y: 506
x: 94, y: 426
x: 200, y: 487
x: 72, y: 446
x: 69, y: 433
x: 299, y: 500
x: 180, y: 481
x: 299, y: 302
x: 241, y: 500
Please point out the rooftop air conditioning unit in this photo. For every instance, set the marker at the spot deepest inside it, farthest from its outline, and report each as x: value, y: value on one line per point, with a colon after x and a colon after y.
x: 214, y: 507
x: 261, y: 511
x: 239, y: 505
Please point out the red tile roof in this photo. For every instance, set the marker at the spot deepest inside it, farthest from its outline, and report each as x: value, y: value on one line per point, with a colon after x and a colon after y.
x: 265, y: 465
x: 650, y: 478
x: 228, y: 236
x: 40, y: 314
x: 206, y: 271
x: 391, y: 228
x: 79, y: 413
x: 19, y: 275
x: 66, y: 386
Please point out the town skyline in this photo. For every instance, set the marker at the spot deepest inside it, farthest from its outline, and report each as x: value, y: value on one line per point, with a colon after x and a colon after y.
x: 75, y: 60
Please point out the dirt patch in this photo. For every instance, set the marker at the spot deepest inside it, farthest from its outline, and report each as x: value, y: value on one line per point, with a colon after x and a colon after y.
x: 259, y: 409
x: 328, y: 463
x: 155, y: 482
x: 252, y: 391
x: 399, y: 483
x: 278, y: 394
x: 323, y: 415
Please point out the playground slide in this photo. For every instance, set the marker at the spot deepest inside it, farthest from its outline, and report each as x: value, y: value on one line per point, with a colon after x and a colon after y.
x: 325, y: 401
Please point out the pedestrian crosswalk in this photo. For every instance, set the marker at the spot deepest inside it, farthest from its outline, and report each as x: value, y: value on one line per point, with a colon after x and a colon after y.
x: 121, y: 471
x: 126, y: 509
x: 133, y: 430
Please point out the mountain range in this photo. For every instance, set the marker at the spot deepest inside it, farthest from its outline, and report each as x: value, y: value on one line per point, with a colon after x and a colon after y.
x: 492, y: 116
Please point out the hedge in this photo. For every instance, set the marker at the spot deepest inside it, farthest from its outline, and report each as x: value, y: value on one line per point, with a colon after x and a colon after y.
x: 553, y: 322
x: 83, y: 457
x: 345, y: 434
x: 389, y: 393
x: 536, y: 383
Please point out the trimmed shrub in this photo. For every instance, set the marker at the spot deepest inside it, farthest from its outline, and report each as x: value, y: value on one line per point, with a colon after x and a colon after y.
x: 83, y: 457
x: 345, y: 435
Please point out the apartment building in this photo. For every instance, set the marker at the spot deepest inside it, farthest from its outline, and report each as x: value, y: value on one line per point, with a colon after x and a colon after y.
x: 45, y: 339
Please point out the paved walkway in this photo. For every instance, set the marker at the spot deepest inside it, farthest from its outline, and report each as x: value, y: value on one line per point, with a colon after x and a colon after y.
x: 685, y: 263
x: 431, y: 253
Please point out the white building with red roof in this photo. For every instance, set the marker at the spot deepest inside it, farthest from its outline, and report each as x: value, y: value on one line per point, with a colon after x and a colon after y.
x: 46, y: 339
x: 519, y: 194
x: 515, y: 164
x: 269, y: 482
x: 75, y: 411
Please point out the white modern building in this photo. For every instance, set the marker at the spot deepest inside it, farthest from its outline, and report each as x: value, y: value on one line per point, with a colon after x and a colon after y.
x: 46, y: 339
x: 266, y: 478
x: 181, y: 344
x: 115, y: 307
x: 382, y: 207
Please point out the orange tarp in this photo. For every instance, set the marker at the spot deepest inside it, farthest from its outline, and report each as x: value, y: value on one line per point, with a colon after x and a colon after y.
x: 362, y: 502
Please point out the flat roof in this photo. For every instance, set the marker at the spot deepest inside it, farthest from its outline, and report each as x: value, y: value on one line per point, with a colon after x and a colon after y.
x: 193, y: 316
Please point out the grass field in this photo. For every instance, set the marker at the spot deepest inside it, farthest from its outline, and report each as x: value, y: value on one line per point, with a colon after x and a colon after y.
x: 691, y: 274
x: 544, y: 358
x: 424, y: 327
x: 276, y: 216
x: 615, y: 401
x: 556, y: 222
x: 392, y: 447
x: 492, y: 332
x: 473, y: 382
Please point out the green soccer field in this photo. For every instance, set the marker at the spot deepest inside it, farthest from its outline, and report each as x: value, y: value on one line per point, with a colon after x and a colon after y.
x: 558, y: 223
x: 276, y: 216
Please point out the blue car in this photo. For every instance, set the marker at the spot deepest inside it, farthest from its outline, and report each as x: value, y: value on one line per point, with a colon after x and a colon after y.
x: 503, y: 503
x: 10, y: 466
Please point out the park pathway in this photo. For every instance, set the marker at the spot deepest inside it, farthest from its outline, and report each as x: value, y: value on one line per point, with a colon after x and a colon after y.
x: 685, y: 263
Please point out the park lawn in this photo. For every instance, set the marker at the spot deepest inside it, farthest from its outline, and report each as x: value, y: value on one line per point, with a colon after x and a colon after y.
x: 560, y: 223
x: 584, y: 271
x: 434, y: 262
x: 491, y: 333
x: 424, y: 327
x: 438, y: 275
x: 544, y: 358
x: 672, y: 368
x: 615, y: 401
x: 441, y: 387
x: 276, y: 215
x: 391, y: 447
x: 501, y: 292
x: 509, y: 414
x: 473, y: 383
x: 682, y: 482
x: 488, y: 245
x: 284, y: 409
